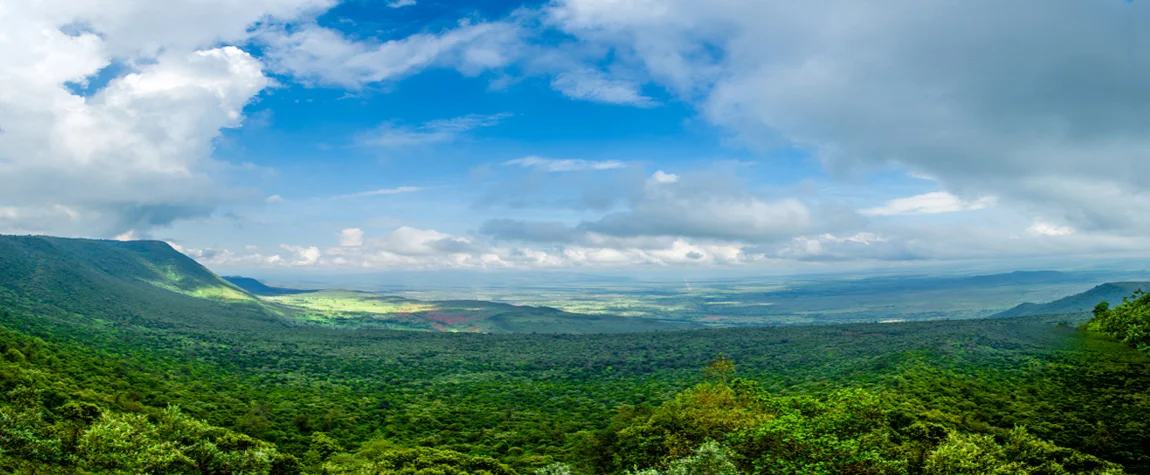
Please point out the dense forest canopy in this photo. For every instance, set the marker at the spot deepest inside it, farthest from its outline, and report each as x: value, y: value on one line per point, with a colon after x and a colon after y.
x: 122, y: 358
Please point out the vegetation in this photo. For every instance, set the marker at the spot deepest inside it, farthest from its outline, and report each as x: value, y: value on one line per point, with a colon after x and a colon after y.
x: 846, y: 431
x: 1082, y: 303
x: 342, y: 308
x: 104, y: 371
x: 1129, y: 322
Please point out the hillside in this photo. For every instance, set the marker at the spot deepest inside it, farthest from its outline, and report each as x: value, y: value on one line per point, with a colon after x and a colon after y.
x: 1081, y: 303
x: 354, y: 309
x: 58, y: 266
x: 105, y: 285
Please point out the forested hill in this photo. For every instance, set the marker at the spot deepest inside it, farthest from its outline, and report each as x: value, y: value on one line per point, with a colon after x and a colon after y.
x: 1081, y: 303
x: 40, y: 263
x: 104, y: 284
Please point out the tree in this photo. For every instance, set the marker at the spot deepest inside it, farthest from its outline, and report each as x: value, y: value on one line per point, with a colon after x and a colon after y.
x: 720, y: 369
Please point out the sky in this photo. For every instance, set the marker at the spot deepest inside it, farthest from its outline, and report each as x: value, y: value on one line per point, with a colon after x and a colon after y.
x: 624, y: 135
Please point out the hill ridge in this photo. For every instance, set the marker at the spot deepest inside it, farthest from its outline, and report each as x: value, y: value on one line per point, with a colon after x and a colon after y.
x: 1077, y: 303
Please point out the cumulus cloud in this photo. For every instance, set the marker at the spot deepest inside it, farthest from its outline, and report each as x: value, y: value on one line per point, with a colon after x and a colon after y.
x: 351, y: 237
x: 133, y: 153
x: 302, y: 255
x: 124, y: 158
x: 665, y: 178
x: 568, y: 165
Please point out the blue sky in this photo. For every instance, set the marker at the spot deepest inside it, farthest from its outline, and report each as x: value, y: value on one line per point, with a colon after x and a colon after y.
x: 581, y: 134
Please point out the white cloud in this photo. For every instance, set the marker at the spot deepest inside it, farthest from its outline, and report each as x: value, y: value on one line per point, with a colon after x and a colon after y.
x: 859, y: 246
x: 351, y: 237
x: 301, y: 255
x: 400, y: 3
x: 569, y: 165
x: 666, y: 206
x: 274, y: 199
x: 382, y: 192
x: 124, y: 157
x: 663, y: 177
x: 928, y: 203
x: 414, y: 248
x: 595, y: 86
x: 389, y: 135
x: 135, y: 152
x: 929, y: 87
x: 325, y: 56
x: 1043, y: 228
x: 410, y: 241
x: 703, y: 207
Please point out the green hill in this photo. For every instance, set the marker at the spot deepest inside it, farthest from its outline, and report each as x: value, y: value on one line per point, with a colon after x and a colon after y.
x: 82, y: 283
x: 1081, y: 303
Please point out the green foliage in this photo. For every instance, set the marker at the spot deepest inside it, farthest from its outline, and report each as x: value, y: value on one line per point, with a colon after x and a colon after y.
x: 1129, y: 322
x: 976, y: 454
x: 845, y: 432
x: 851, y: 431
x: 555, y: 469
x: 322, y: 448
x: 413, y: 461
x: 84, y: 437
x: 91, y: 358
x: 709, y: 459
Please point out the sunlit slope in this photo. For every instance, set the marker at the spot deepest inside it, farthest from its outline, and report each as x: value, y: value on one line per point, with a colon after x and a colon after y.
x: 1079, y: 303
x: 371, y: 310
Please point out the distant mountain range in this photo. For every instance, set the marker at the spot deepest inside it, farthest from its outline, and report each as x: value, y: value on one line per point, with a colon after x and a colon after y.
x: 256, y: 287
x: 1078, y: 303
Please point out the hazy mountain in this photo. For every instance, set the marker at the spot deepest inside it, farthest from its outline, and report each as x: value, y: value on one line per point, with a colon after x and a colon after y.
x: 256, y: 287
